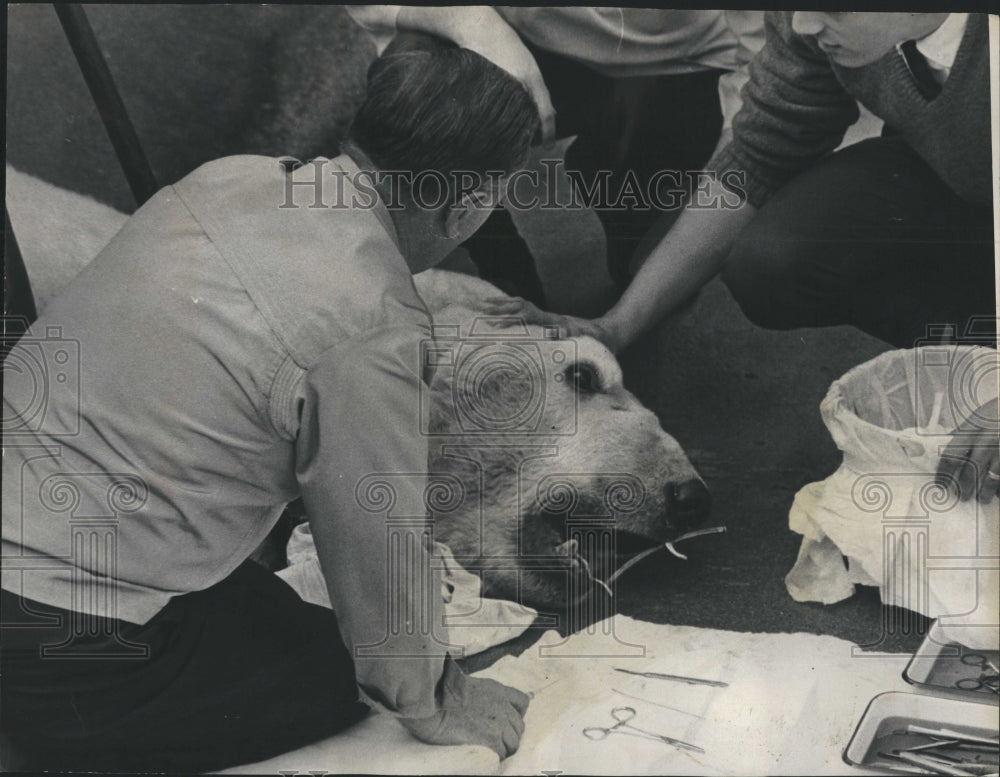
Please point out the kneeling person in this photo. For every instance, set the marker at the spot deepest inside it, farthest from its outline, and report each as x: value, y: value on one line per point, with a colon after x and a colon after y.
x: 237, y: 345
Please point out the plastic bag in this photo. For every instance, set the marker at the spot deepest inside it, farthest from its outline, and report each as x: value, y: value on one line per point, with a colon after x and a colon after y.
x: 881, y: 511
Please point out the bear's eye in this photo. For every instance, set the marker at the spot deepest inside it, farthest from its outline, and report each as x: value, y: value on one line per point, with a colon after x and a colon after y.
x: 583, y: 377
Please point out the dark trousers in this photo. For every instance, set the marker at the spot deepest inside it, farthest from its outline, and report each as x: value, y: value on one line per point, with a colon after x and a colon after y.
x: 236, y: 673
x: 640, y: 124
x: 871, y: 237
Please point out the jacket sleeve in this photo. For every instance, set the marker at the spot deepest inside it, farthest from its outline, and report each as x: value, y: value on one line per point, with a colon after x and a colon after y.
x: 361, y: 464
x: 794, y: 111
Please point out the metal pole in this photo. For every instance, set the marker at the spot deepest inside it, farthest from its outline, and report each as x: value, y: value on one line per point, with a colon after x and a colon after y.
x: 102, y: 87
x: 18, y: 301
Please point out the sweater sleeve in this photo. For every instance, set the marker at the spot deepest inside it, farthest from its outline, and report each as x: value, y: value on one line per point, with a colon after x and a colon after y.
x: 795, y: 111
x: 748, y: 29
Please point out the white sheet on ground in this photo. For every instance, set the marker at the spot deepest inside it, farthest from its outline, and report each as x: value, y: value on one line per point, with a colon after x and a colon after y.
x: 791, y: 706
x: 376, y: 745
x: 792, y: 703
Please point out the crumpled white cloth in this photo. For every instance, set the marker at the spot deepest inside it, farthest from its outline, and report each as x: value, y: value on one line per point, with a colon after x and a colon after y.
x: 919, y: 545
x: 474, y: 622
x: 791, y: 706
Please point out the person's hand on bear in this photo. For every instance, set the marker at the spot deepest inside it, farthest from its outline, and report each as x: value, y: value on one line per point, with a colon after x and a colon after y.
x: 517, y: 309
x: 474, y: 711
x: 971, y: 461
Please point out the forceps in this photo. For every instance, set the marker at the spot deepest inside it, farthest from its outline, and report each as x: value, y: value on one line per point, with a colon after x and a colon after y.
x: 623, y: 715
x: 989, y: 681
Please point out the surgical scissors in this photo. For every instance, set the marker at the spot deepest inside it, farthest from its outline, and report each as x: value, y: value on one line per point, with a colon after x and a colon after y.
x: 984, y: 681
x: 623, y: 715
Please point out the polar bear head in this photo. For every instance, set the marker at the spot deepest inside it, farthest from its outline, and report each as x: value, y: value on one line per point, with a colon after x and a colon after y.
x: 561, y: 471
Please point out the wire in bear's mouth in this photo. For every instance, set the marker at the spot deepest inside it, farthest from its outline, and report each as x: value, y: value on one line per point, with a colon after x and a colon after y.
x: 628, y: 544
x: 606, y: 584
x: 624, y: 543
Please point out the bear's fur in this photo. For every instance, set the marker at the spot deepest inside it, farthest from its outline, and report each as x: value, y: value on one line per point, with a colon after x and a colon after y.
x: 594, y: 465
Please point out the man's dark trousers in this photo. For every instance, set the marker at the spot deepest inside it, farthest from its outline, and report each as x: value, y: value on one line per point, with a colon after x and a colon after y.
x: 872, y: 237
x: 242, y: 671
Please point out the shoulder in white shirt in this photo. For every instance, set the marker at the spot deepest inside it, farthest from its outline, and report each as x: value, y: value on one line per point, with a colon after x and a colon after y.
x: 940, y: 47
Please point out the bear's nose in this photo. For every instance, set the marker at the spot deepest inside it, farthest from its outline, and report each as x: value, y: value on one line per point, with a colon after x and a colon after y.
x: 688, y: 504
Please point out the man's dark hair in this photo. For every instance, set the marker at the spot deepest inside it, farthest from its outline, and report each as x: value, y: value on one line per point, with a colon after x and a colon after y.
x: 434, y: 106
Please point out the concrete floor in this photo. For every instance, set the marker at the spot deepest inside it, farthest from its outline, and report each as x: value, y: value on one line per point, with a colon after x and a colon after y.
x: 744, y: 402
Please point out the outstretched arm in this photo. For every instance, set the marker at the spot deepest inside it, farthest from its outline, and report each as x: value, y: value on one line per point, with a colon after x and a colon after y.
x: 690, y: 255
x: 794, y: 111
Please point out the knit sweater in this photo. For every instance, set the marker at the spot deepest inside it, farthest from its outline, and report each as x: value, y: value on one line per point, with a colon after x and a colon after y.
x: 798, y: 104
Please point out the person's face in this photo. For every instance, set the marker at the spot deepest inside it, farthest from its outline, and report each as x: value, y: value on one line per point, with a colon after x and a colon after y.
x: 464, y: 222
x: 856, y: 39
x: 428, y: 236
